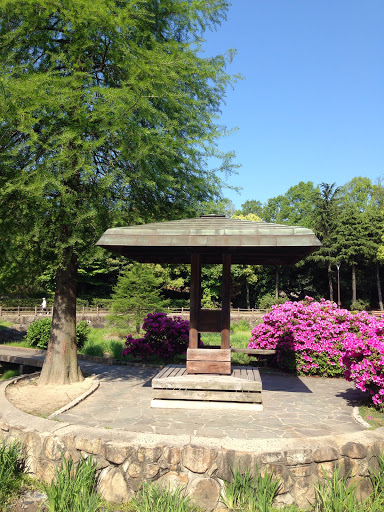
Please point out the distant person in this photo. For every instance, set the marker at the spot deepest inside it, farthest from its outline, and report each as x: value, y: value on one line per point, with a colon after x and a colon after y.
x: 43, y: 306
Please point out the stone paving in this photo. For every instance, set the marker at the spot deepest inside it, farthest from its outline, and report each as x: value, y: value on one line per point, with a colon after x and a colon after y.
x: 294, y: 407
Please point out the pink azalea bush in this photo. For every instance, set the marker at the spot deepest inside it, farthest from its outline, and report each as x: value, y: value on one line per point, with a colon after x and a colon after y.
x: 363, y: 360
x: 164, y: 338
x: 318, y: 338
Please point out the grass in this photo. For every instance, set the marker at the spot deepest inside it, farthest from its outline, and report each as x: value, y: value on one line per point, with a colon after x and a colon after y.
x: 152, y: 498
x: 5, y: 325
x: 250, y: 493
x: 11, y: 473
x: 336, y: 494
x: 74, y: 487
x: 8, y: 374
x: 97, y: 345
x: 373, y: 416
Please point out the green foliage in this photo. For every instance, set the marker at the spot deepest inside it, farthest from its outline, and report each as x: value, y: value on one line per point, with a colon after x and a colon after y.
x: 137, y: 293
x: 82, y: 333
x: 268, y: 300
x: 250, y: 493
x: 11, y: 470
x: 376, y: 498
x: 39, y: 331
x: 108, y: 117
x: 73, y: 487
x: 152, y: 498
x: 9, y: 374
x: 360, y: 305
x: 90, y: 349
x: 114, y: 138
x: 240, y: 326
x: 336, y: 494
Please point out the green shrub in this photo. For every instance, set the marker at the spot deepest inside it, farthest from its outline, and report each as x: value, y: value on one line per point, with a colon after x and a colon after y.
x: 82, y: 333
x: 39, y: 331
x: 360, y: 305
x: 268, y: 300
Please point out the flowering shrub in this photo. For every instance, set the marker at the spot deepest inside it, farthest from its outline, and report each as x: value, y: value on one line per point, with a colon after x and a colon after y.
x: 311, y: 338
x: 364, y: 360
x: 164, y: 338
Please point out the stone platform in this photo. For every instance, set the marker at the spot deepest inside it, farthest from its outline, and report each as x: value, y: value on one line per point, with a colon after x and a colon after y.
x: 174, y: 388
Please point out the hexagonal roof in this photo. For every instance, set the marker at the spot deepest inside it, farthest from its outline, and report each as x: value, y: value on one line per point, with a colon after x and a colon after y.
x: 253, y: 243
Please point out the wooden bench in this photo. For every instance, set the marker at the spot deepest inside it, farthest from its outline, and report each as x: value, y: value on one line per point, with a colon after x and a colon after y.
x: 253, y: 351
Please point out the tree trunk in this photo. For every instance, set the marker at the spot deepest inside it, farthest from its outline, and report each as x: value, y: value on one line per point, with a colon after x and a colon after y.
x: 330, y: 282
x: 379, y: 287
x: 247, y: 295
x: 60, y: 365
x: 353, y: 284
x: 277, y: 283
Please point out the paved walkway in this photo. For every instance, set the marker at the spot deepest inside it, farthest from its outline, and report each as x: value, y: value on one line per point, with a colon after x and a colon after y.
x: 294, y: 407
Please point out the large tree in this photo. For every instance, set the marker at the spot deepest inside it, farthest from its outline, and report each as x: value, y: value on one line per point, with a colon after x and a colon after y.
x: 107, y: 116
x: 327, y: 208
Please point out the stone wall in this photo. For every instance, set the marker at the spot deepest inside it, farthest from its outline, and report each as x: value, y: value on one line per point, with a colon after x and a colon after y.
x: 125, y: 460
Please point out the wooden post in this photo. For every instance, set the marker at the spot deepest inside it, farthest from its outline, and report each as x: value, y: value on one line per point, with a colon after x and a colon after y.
x: 18, y: 310
x: 226, y: 305
x: 35, y: 310
x: 195, y: 298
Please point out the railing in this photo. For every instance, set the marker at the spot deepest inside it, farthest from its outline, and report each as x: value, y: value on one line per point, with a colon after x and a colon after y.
x: 97, y: 310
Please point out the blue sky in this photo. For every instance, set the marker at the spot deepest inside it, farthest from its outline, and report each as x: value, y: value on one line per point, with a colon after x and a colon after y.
x: 311, y: 105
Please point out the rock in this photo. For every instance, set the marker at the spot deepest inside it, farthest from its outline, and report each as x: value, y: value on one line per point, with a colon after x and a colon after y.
x: 135, y: 470
x: 149, y: 454
x: 117, y: 453
x: 93, y: 446
x: 272, y: 458
x: 172, y: 455
x: 173, y: 481
x: 53, y: 448
x: 229, y: 461
x: 113, y: 487
x: 325, y: 453
x: 204, y: 492
x: 198, y: 459
x: 296, y: 457
x: 354, y: 450
x: 304, y: 490
x: 282, y: 473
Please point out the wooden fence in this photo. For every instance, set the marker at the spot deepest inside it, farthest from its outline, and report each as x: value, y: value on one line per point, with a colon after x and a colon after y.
x: 100, y: 311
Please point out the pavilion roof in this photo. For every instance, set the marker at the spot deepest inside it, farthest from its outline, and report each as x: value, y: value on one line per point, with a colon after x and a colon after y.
x: 254, y: 243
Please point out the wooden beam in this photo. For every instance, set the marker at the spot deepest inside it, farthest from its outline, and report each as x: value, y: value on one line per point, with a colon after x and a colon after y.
x: 226, y: 304
x: 214, y: 367
x: 207, y: 354
x: 195, y: 299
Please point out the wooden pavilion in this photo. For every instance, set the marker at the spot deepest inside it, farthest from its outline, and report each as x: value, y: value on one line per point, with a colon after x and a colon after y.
x: 205, y: 240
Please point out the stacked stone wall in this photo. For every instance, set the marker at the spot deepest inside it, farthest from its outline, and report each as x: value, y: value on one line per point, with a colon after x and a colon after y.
x: 201, y: 465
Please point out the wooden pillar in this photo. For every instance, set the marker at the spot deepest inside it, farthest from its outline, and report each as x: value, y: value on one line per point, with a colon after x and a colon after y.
x: 226, y: 304
x: 195, y: 299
